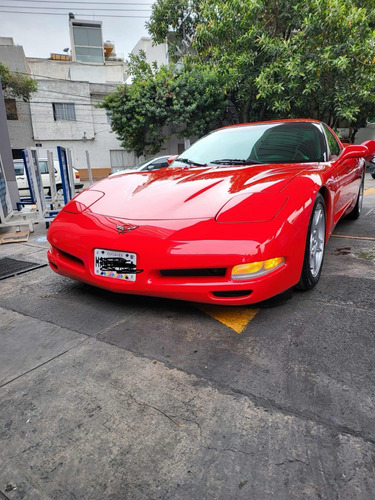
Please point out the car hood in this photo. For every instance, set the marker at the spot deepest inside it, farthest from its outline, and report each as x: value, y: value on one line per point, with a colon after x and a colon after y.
x: 181, y: 193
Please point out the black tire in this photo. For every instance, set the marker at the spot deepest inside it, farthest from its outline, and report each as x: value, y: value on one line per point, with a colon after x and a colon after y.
x: 315, y: 244
x: 59, y: 190
x: 373, y: 176
x: 356, y: 212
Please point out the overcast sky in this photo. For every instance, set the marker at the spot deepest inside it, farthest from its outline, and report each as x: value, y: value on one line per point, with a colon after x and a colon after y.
x: 40, y: 34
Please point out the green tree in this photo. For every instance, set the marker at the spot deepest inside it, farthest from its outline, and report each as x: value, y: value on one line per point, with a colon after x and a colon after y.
x: 252, y: 60
x: 16, y: 85
x: 175, y: 20
x: 292, y: 58
x: 161, y: 102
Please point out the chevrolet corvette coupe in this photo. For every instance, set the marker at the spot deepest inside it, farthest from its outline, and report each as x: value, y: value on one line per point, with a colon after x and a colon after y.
x: 242, y: 215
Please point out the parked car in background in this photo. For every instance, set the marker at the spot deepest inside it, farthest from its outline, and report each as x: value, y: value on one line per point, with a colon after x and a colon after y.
x: 22, y: 183
x: 154, y: 164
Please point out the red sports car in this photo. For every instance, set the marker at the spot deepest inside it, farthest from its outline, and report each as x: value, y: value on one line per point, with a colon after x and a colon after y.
x: 241, y: 216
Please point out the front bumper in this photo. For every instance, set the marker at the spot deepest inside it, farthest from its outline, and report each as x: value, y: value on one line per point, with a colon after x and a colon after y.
x: 179, y: 245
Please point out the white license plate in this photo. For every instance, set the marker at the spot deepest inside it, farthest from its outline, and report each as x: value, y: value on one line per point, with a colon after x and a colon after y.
x: 113, y: 264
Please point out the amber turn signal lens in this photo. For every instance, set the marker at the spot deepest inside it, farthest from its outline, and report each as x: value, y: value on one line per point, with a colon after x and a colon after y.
x: 271, y: 263
x: 254, y: 269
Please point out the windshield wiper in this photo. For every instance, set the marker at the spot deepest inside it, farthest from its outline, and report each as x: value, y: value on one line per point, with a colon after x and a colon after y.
x: 191, y: 162
x: 235, y: 161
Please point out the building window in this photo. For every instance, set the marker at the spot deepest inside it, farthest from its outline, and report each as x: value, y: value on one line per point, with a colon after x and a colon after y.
x: 88, y: 43
x: 121, y: 160
x: 64, y: 111
x: 118, y: 159
x: 17, y: 154
x: 11, y: 109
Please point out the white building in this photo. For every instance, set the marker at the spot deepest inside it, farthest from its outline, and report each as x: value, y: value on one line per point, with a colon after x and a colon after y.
x: 154, y: 53
x: 64, y: 112
x: 17, y: 111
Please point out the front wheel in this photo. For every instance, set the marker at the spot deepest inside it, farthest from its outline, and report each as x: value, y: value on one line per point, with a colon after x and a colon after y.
x: 315, y: 245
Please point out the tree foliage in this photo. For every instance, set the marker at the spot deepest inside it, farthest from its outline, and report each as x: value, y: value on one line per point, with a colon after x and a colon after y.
x: 252, y: 60
x: 292, y: 58
x: 175, y: 20
x: 16, y: 85
x: 161, y: 102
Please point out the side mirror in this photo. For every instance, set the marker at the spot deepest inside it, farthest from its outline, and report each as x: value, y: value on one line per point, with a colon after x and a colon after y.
x: 370, y: 145
x: 172, y: 159
x: 353, y: 151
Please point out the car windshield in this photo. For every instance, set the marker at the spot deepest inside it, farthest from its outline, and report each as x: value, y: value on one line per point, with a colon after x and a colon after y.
x: 284, y: 142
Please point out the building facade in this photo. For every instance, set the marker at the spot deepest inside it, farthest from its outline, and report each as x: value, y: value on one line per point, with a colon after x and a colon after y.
x: 63, y: 111
x: 17, y: 111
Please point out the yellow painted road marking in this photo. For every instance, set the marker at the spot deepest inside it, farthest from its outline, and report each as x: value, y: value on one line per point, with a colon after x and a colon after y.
x: 234, y: 317
x: 353, y: 237
x: 369, y: 191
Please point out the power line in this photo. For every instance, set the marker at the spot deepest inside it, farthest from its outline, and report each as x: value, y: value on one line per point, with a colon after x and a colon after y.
x: 67, y: 9
x: 92, y: 97
x: 89, y: 97
x: 80, y: 8
x: 62, y: 102
x: 31, y: 75
x: 84, y: 3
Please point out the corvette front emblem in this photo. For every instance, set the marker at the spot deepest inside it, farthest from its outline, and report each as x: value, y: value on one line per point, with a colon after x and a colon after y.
x: 125, y: 229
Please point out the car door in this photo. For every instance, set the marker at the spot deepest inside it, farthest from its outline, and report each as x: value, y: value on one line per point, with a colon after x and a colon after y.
x: 19, y: 170
x: 43, y: 166
x: 346, y: 176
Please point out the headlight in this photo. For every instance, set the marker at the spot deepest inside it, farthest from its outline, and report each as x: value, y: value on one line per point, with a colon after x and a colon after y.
x: 252, y: 207
x: 255, y: 269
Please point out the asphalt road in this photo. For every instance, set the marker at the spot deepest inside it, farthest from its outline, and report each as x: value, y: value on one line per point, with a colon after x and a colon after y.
x: 120, y: 397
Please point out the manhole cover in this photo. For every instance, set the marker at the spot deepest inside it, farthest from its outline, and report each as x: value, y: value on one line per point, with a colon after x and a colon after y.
x: 12, y: 267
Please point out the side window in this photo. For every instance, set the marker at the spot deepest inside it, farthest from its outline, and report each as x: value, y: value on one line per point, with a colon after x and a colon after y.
x: 18, y: 168
x: 333, y: 145
x: 160, y: 163
x: 43, y: 165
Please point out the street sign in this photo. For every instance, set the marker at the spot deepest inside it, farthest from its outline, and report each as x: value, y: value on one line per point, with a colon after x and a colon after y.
x: 64, y: 170
x: 34, y: 177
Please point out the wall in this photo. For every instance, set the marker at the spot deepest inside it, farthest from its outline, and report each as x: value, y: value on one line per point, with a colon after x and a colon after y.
x: 156, y: 53
x: 365, y: 134
x: 45, y: 128
x: 91, y: 123
x: 20, y: 131
x: 6, y: 153
x: 83, y: 84
x: 110, y: 71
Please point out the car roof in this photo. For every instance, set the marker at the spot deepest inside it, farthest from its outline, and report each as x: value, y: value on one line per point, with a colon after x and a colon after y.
x: 266, y: 122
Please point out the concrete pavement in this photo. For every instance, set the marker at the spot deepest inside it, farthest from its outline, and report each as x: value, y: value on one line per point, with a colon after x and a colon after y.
x: 120, y: 397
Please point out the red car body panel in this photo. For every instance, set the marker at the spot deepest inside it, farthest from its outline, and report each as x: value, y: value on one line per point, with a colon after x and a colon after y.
x: 214, y: 218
